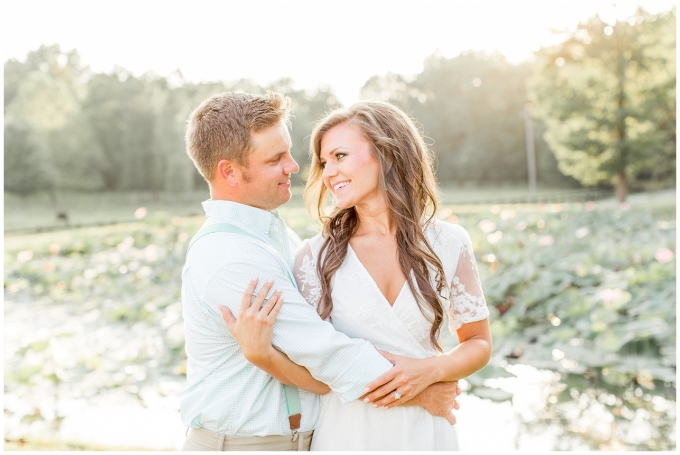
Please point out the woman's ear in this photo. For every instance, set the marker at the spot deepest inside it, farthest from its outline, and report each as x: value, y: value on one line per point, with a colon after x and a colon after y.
x: 227, y: 173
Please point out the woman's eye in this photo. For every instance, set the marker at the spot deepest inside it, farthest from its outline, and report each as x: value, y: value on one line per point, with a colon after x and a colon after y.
x: 340, y: 155
x: 323, y: 165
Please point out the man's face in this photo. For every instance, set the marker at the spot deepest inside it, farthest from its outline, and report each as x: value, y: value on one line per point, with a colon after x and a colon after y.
x: 265, y: 182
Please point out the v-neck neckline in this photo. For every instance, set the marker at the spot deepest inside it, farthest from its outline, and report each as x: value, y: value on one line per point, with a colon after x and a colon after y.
x: 401, y: 290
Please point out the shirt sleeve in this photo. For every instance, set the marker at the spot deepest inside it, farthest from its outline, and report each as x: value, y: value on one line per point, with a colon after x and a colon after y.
x: 347, y: 365
x: 307, y: 279
x: 467, y: 298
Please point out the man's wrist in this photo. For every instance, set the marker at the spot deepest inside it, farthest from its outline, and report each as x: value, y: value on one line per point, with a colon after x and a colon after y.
x: 261, y: 359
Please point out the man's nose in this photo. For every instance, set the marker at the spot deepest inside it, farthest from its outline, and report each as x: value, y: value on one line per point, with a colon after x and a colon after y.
x: 292, y: 167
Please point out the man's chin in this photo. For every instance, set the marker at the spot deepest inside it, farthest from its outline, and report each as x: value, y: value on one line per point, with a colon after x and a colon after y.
x: 279, y: 200
x: 286, y: 198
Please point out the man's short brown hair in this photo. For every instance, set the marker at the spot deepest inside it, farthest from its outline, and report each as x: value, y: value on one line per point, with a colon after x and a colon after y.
x: 219, y: 129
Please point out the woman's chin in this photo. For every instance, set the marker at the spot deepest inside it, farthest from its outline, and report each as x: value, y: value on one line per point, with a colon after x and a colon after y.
x: 343, y: 205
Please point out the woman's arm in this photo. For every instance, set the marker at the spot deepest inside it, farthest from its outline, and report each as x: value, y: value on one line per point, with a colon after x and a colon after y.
x: 411, y: 376
x: 468, y: 315
x: 253, y: 331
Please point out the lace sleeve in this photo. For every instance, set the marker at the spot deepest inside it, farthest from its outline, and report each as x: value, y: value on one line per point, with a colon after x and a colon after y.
x: 467, y: 298
x: 305, y: 274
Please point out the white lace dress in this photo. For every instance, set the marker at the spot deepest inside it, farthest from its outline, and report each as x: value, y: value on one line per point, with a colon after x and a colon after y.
x: 361, y: 311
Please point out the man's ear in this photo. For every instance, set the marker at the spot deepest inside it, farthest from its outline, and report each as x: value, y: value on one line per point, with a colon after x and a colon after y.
x: 226, y: 172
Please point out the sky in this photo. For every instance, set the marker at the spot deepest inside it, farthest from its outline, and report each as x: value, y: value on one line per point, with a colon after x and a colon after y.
x: 339, y: 43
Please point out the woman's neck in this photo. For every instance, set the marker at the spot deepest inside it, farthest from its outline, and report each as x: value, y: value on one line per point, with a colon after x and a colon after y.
x: 374, y: 219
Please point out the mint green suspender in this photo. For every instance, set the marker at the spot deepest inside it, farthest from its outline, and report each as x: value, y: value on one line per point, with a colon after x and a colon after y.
x: 291, y: 393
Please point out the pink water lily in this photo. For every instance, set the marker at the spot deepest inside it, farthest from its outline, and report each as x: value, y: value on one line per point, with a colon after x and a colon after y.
x: 610, y: 295
x: 546, y: 240
x: 664, y: 255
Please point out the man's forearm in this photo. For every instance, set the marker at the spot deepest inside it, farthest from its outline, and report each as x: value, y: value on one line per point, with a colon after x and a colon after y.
x: 438, y: 399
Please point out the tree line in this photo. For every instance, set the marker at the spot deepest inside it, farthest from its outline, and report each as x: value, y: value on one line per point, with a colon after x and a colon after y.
x: 602, y: 102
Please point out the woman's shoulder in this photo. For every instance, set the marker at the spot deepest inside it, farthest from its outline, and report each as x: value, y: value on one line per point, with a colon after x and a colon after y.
x: 442, y: 232
x: 310, y: 247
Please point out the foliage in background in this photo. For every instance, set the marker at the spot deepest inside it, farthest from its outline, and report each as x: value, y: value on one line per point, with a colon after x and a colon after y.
x: 470, y: 108
x: 607, y: 96
x: 587, y: 294
x: 590, y: 295
x: 116, y: 132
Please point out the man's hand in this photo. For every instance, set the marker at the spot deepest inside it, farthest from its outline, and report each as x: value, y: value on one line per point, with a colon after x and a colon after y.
x: 439, y: 399
x: 254, y: 328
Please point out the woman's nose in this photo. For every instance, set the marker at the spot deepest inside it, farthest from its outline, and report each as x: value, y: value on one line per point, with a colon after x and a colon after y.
x: 328, y: 170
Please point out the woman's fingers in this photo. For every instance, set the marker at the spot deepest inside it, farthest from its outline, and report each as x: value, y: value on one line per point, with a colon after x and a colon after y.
x: 384, y: 394
x: 269, y: 305
x: 390, y: 400
x: 228, y: 317
x: 451, y: 418
x: 277, y: 307
x: 248, y: 296
x: 259, y: 298
x: 374, y: 384
x: 389, y: 356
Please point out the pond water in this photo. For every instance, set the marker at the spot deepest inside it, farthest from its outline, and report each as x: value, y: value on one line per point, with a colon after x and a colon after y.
x: 115, y: 419
x: 74, y: 376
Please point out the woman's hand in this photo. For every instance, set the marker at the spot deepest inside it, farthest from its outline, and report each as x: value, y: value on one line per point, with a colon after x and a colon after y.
x: 254, y: 328
x: 409, y: 377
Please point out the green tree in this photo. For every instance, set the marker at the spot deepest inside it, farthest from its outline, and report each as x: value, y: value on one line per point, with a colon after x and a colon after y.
x: 27, y: 169
x: 607, y: 96
x: 469, y: 108
x: 121, y: 110
x: 44, y: 94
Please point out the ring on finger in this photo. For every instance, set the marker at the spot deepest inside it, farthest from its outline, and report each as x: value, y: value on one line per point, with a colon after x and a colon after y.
x: 397, y: 395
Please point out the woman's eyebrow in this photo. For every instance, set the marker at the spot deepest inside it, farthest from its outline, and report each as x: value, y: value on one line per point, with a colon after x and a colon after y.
x: 332, y: 152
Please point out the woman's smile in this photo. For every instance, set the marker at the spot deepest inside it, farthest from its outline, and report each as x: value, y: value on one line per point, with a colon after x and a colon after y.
x: 350, y: 170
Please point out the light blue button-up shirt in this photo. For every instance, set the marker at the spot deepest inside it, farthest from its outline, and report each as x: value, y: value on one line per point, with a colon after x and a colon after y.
x: 226, y: 393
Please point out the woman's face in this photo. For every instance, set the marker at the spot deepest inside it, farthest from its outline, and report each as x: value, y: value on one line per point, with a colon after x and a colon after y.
x: 351, y: 172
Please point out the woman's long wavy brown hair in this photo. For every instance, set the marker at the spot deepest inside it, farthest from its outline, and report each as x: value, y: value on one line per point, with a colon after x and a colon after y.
x: 407, y: 179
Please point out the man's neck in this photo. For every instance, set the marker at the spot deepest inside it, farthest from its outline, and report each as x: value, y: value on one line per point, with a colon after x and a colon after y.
x: 221, y: 194
x: 224, y: 194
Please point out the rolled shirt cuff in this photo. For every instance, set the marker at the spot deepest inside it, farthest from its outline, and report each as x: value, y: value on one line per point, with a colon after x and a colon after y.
x: 366, y: 367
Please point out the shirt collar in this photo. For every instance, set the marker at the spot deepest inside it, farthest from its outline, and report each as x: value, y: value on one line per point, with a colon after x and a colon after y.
x: 253, y: 218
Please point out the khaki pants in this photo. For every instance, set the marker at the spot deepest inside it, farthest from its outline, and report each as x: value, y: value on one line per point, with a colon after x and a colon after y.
x: 202, y: 439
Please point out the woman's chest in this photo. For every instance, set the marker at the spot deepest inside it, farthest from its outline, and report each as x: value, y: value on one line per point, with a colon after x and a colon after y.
x: 360, y: 310
x: 380, y: 259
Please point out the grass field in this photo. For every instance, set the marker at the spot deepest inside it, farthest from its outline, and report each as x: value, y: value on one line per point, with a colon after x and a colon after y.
x: 86, y: 209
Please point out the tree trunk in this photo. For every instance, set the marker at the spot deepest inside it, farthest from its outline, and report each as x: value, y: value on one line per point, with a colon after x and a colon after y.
x: 621, y: 136
x: 621, y: 187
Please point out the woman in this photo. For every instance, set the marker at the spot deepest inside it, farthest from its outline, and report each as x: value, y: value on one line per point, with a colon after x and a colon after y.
x: 384, y: 270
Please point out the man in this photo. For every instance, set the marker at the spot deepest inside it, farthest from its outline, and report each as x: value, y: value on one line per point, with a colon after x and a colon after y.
x: 241, y: 146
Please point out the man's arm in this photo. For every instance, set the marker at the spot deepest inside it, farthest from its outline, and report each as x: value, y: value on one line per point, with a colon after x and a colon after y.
x: 331, y: 357
x: 439, y: 399
x: 253, y: 330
